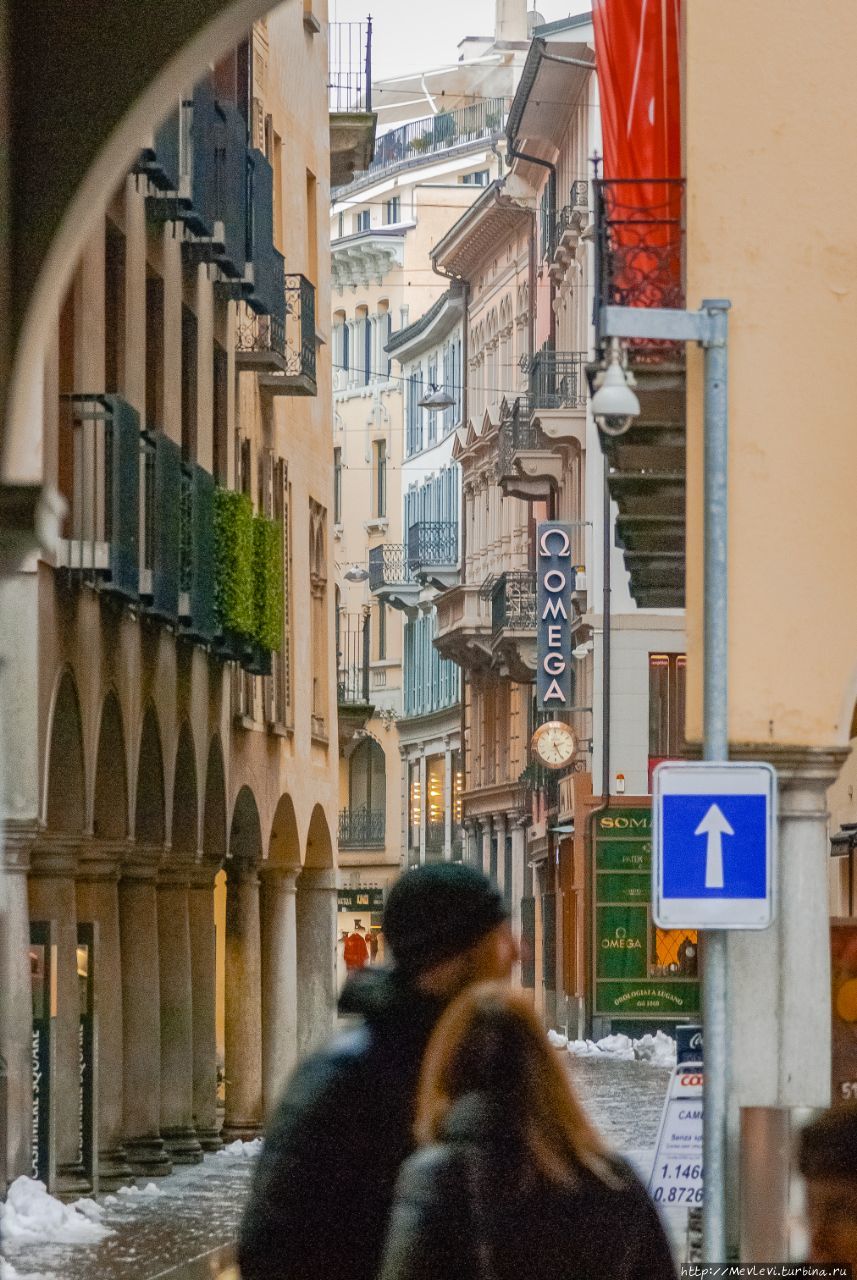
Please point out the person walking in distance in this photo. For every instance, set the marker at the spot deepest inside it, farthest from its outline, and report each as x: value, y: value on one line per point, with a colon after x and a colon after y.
x: 313, y: 1214
x: 356, y: 949
x: 511, y: 1180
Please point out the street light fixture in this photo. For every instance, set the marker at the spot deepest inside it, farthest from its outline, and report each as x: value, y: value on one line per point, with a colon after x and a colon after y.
x: 615, y: 404
x: 436, y: 398
x: 356, y: 573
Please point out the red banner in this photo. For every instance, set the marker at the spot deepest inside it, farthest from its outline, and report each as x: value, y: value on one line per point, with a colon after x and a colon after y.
x: 637, y: 57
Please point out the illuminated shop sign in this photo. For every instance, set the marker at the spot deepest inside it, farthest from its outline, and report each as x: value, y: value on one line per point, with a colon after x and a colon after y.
x: 555, y: 574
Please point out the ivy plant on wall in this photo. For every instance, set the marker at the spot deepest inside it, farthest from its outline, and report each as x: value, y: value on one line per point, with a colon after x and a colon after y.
x: 234, y: 545
x: 267, y: 583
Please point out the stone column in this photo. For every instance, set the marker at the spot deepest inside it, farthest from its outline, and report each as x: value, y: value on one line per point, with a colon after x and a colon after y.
x: 203, y: 993
x: 500, y: 834
x: 52, y: 897
x: 316, y: 944
x: 447, y: 801
x: 279, y: 982
x: 779, y: 978
x: 98, y: 903
x: 244, y: 1109
x: 174, y: 969
x: 486, y: 845
x: 421, y: 764
x: 141, y: 1014
x: 16, y: 1024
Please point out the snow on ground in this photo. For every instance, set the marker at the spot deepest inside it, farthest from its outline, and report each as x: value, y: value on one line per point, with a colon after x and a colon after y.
x: 240, y: 1150
x: 31, y: 1216
x: 658, y: 1049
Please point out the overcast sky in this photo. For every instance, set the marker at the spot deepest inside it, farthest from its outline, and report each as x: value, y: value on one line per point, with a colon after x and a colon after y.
x: 410, y: 36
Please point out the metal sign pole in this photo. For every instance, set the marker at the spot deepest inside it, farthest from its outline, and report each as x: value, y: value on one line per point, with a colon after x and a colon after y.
x: 715, y: 747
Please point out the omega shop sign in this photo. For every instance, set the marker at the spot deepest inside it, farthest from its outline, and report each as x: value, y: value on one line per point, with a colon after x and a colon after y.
x: 555, y: 574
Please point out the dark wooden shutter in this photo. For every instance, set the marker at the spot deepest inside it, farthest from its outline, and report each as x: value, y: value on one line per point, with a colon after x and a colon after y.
x: 123, y: 483
x: 166, y: 564
x: 528, y: 942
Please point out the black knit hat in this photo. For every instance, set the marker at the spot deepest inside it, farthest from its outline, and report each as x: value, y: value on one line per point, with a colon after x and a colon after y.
x: 438, y: 911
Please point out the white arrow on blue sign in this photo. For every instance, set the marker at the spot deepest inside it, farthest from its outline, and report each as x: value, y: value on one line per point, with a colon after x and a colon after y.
x: 713, y: 845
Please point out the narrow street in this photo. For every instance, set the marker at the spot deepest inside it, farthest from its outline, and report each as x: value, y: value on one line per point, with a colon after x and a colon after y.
x: 184, y: 1232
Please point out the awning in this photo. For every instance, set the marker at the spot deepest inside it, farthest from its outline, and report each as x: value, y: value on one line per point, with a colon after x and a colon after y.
x: 563, y: 829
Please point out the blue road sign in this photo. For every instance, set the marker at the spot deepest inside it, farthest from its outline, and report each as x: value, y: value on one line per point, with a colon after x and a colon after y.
x: 713, y: 845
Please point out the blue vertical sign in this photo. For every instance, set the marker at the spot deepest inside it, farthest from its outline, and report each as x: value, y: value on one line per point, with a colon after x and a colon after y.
x: 555, y: 579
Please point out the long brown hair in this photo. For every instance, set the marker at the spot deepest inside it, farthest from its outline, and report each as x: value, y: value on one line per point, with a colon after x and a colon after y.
x: 489, y: 1042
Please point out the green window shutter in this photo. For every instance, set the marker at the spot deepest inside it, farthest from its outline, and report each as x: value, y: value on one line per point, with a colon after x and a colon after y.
x: 123, y: 483
x: 166, y: 527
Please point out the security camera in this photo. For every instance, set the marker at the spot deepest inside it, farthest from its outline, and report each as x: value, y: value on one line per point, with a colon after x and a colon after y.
x: 615, y: 404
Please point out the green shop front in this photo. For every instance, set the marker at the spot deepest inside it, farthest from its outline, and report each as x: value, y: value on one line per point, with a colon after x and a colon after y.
x: 642, y: 974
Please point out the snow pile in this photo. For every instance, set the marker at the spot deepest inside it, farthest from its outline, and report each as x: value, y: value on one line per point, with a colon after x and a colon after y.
x: 31, y: 1216
x: 8, y: 1272
x: 149, y: 1192
x: 89, y: 1209
x: 658, y: 1049
x: 241, y: 1150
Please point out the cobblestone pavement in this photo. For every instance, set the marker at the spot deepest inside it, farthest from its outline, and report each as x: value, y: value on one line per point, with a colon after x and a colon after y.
x: 184, y: 1233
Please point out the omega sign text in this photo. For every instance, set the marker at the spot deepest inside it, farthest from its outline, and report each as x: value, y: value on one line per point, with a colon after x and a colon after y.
x: 555, y: 581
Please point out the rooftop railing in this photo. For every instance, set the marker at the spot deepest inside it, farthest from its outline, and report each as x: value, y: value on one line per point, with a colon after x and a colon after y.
x: 418, y: 138
x: 349, y: 80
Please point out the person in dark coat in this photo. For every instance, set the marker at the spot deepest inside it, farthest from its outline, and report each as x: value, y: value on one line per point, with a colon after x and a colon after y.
x: 315, y: 1212
x: 511, y: 1180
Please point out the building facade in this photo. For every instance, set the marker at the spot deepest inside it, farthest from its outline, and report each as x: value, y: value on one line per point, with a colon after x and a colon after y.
x: 396, y: 334
x: 170, y: 834
x: 530, y: 453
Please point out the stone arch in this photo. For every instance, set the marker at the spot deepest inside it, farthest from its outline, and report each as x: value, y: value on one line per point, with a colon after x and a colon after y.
x: 184, y: 832
x: 110, y: 804
x: 245, y: 830
x: 65, y: 782
x: 150, y: 825
x: 214, y: 813
x: 284, y: 846
x: 319, y: 847
x: 145, y: 80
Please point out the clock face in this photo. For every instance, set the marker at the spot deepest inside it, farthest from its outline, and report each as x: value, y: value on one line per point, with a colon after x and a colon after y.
x: 554, y: 744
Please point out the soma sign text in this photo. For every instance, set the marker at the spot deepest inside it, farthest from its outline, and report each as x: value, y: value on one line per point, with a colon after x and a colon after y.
x: 555, y: 577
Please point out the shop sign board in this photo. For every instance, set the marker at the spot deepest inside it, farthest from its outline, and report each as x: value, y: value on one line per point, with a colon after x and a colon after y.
x: 555, y: 581
x: 43, y: 981
x: 640, y: 972
x: 676, y: 1178
x: 360, y: 899
x: 843, y: 958
x: 713, y: 842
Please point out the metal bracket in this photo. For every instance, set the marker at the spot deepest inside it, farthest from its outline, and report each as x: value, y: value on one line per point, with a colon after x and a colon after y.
x: 706, y: 326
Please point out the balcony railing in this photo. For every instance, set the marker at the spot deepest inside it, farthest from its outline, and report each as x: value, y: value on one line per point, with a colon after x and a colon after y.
x: 389, y: 566
x: 100, y: 451
x: 349, y: 80
x: 352, y: 659
x: 557, y: 379
x: 639, y: 242
x: 518, y: 434
x: 286, y: 347
x: 362, y: 828
x: 570, y: 218
x: 433, y: 544
x: 513, y: 601
x: 419, y: 138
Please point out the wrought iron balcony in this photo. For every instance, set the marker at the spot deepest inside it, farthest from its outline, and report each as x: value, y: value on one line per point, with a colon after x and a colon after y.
x: 391, y: 577
x: 433, y: 552
x: 352, y: 674
x: 283, y: 351
x: 100, y: 443
x: 557, y: 379
x: 513, y: 601
x: 362, y: 828
x: 349, y: 78
x: 640, y: 246
x: 529, y: 466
